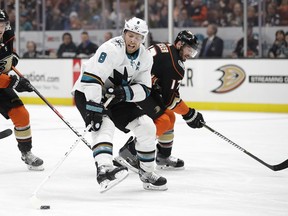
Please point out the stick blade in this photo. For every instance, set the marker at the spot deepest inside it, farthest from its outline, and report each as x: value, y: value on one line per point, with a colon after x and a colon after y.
x: 281, y: 166
x: 5, y: 133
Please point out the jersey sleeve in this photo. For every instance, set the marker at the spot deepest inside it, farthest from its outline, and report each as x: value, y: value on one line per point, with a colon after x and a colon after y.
x: 180, y: 107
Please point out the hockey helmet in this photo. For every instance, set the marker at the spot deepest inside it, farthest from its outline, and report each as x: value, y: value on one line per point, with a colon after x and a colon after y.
x: 187, y: 37
x: 138, y: 26
x: 3, y: 16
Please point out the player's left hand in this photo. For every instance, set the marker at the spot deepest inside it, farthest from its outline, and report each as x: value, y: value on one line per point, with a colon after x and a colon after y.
x: 194, y: 119
x: 120, y: 93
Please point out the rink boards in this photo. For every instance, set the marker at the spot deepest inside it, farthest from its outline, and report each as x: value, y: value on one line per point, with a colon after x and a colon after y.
x: 226, y: 84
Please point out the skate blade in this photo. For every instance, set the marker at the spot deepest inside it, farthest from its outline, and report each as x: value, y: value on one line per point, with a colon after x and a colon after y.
x: 124, y: 163
x: 149, y: 186
x: 107, y: 185
x: 170, y: 168
x: 35, y: 168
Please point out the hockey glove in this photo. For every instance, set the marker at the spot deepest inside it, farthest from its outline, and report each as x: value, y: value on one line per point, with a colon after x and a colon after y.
x: 20, y: 85
x: 94, y: 115
x: 193, y: 118
x: 121, y: 93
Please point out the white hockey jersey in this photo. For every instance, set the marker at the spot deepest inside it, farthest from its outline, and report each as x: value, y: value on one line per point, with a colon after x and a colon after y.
x: 98, y: 73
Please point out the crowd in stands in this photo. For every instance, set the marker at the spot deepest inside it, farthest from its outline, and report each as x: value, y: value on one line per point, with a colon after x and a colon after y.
x: 67, y: 49
x: 88, y: 15
x: 97, y: 14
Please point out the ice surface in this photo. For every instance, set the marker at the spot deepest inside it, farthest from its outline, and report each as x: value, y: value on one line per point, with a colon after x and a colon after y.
x: 218, y: 179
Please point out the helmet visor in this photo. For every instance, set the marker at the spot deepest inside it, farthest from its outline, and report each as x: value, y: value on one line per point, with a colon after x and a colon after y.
x: 189, y: 51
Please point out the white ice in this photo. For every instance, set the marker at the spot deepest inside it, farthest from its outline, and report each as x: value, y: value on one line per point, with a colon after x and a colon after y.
x: 219, y: 179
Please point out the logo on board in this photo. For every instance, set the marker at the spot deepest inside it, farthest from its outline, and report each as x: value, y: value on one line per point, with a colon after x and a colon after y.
x: 233, y: 76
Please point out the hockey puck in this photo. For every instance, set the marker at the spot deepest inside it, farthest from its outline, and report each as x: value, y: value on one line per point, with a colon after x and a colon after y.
x: 45, y: 207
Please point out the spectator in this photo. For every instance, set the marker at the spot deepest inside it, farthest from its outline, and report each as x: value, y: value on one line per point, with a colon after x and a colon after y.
x: 86, y: 48
x: 227, y: 6
x: 237, y: 16
x: 56, y: 20
x: 286, y: 40
x: 73, y: 22
x: 279, y: 48
x: 212, y: 46
x: 25, y: 24
x: 283, y: 12
x: 215, y: 16
x: 198, y: 12
x: 163, y: 21
x: 272, y: 17
x: 252, y: 45
x: 12, y: 18
x: 154, y: 13
x: 183, y: 19
x: 68, y: 48
x: 92, y: 17
x: 178, y: 6
x: 106, y: 22
x: 31, y: 50
x: 108, y: 36
x: 251, y: 16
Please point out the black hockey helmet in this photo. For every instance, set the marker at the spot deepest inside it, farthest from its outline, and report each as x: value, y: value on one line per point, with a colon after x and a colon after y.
x: 187, y: 37
x: 3, y: 16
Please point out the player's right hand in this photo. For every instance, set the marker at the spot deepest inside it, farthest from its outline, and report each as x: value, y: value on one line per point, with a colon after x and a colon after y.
x: 94, y: 115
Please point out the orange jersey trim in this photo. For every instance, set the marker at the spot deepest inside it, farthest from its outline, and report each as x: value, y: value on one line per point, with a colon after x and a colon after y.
x: 181, y: 108
x: 4, y: 80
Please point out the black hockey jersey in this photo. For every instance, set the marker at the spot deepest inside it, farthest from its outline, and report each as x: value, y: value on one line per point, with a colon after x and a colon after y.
x: 6, y: 56
x: 168, y: 70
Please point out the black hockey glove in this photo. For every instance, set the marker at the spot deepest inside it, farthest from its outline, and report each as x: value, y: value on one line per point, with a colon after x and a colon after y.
x: 20, y: 85
x: 194, y: 119
x: 94, y: 115
x: 121, y: 93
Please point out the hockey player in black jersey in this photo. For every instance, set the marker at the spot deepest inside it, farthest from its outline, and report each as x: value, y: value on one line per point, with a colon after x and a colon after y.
x: 165, y: 100
x: 11, y: 106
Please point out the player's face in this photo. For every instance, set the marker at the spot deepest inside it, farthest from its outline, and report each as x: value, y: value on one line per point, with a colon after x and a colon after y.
x: 2, y: 28
x: 132, y: 41
x: 187, y: 52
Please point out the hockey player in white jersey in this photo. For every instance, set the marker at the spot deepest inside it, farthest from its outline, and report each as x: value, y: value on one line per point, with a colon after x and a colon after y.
x: 120, y: 68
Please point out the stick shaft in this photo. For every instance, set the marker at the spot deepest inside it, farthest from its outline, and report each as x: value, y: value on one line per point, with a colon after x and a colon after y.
x: 277, y: 167
x: 61, y: 161
x: 54, y: 110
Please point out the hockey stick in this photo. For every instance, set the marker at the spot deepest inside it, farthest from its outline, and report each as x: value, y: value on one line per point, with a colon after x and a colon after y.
x: 277, y: 167
x: 5, y: 133
x: 34, y: 201
x: 57, y: 113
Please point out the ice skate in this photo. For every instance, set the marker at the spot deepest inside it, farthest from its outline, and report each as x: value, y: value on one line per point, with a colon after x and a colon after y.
x: 126, y: 158
x: 152, y: 181
x: 33, y: 162
x: 170, y: 162
x: 110, y: 176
